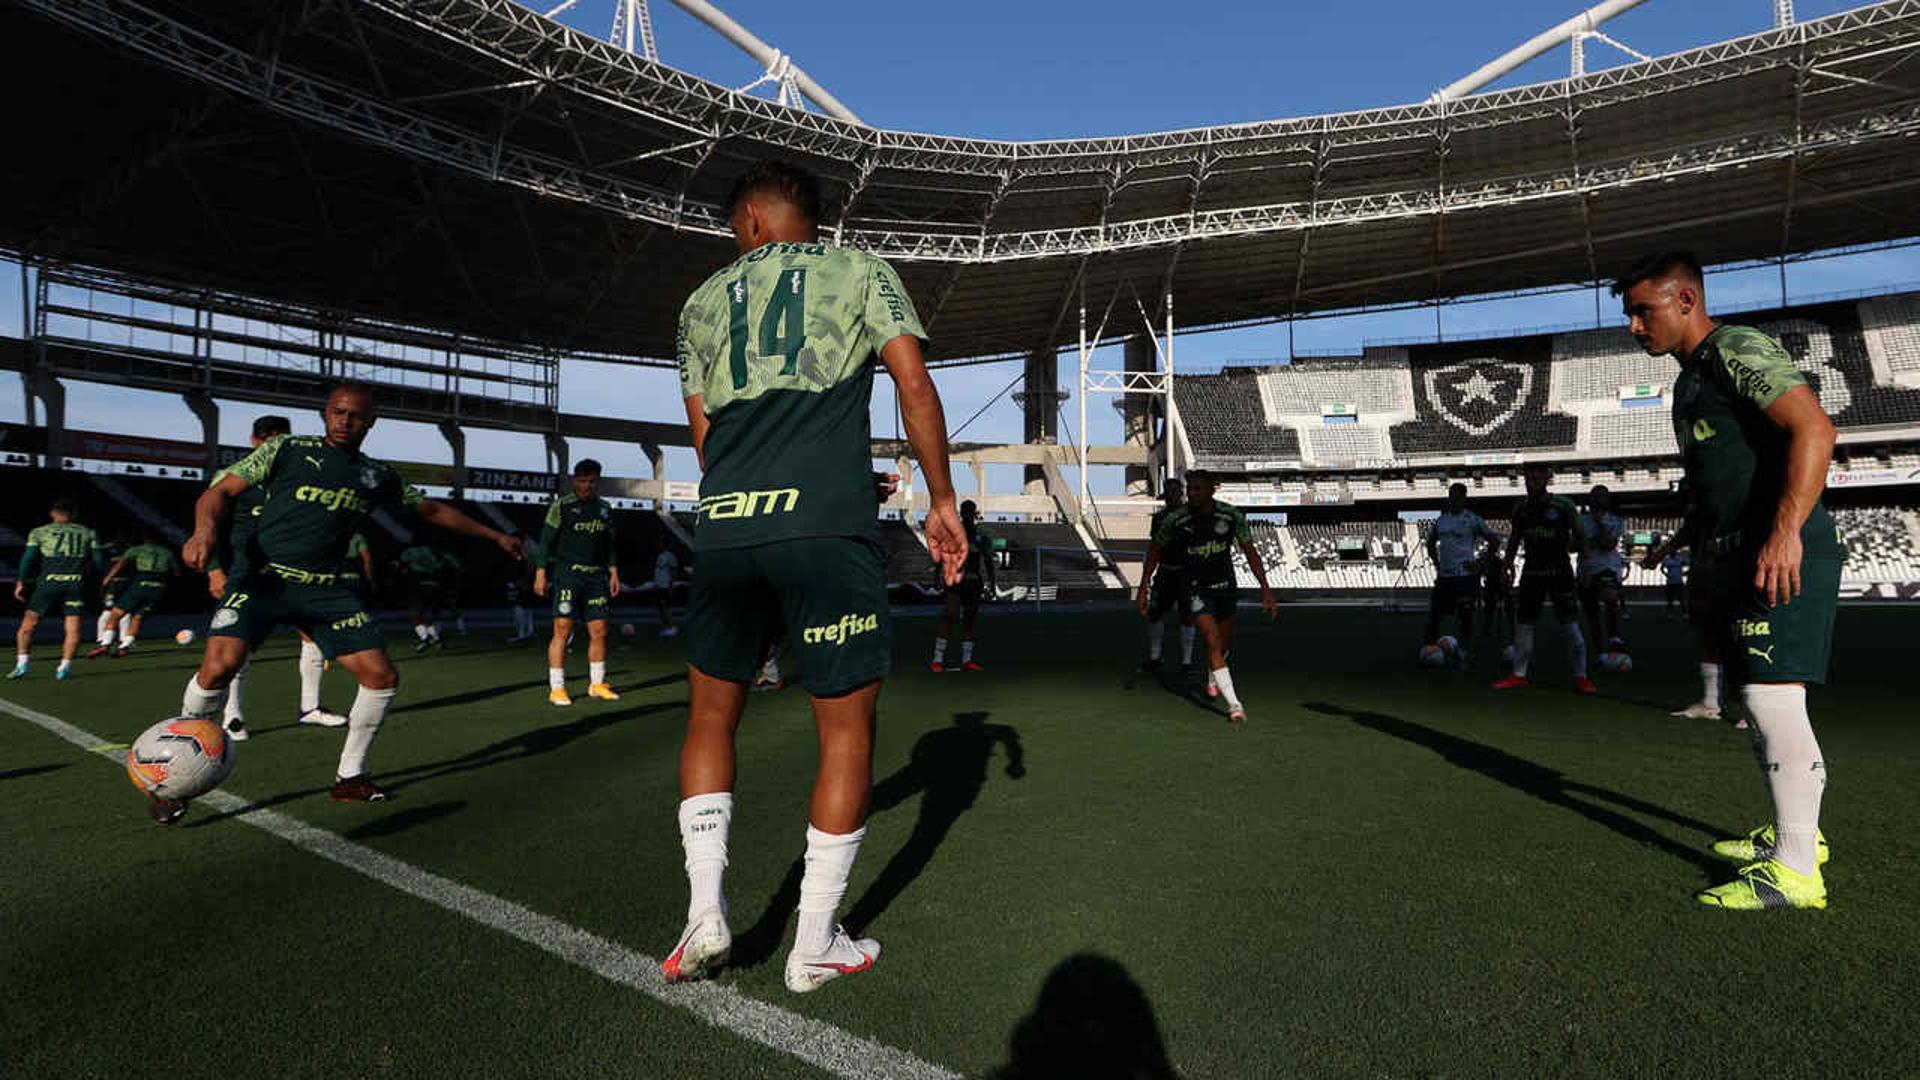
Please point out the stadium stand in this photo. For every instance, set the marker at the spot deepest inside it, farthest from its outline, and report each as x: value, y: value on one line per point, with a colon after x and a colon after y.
x: 1227, y: 423
x: 1890, y: 327
x: 1883, y: 543
x: 1312, y: 388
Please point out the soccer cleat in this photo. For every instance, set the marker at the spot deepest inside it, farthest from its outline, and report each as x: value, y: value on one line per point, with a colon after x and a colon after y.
x: 1151, y: 664
x: 322, y: 718
x: 972, y: 665
x: 62, y: 673
x: 1758, y: 846
x: 122, y: 652
x: 843, y: 956
x: 937, y: 668
x: 1511, y: 682
x: 703, y: 948
x: 1767, y: 885
x: 1699, y: 710
x: 603, y: 691
x: 1584, y: 685
x: 356, y: 789
x: 1740, y: 723
x: 765, y: 685
x: 421, y: 646
x: 236, y: 729
x: 98, y: 651
x: 167, y: 811
x: 1237, y: 715
x: 558, y: 696
x: 19, y: 672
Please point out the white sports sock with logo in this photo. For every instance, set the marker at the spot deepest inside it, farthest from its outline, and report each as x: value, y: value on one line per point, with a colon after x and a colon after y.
x: 1156, y: 640
x: 236, y: 691
x: 1577, y: 645
x: 1522, y: 650
x: 312, y: 666
x: 966, y: 652
x: 20, y: 659
x: 101, y: 635
x: 704, y: 822
x: 363, y: 721
x: 1710, y: 685
x: 200, y: 701
x: 597, y: 671
x: 1796, y: 774
x: 1224, y: 680
x: 1187, y: 635
x: 823, y: 885
x: 939, y: 650
x: 556, y: 678
x: 126, y: 635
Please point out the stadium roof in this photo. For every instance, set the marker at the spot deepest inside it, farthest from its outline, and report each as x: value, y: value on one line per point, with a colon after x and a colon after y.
x: 472, y: 165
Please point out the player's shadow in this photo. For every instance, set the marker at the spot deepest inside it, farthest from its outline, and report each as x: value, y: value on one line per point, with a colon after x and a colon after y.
x: 1091, y: 1020
x: 30, y: 770
x: 1550, y: 786
x: 948, y: 769
x: 403, y: 820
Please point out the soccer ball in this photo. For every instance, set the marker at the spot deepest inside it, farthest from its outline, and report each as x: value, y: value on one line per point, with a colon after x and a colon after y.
x: 180, y: 759
x: 1616, y: 663
x: 1432, y: 656
x: 627, y: 630
x: 184, y: 637
x: 1450, y: 643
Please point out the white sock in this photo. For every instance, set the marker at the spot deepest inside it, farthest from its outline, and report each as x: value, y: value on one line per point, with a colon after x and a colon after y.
x: 200, y: 701
x: 1156, y: 640
x: 126, y: 637
x: 21, y: 659
x: 1224, y: 680
x: 829, y: 861
x: 597, y: 671
x: 312, y: 666
x: 420, y: 631
x: 966, y: 651
x: 1796, y: 774
x: 556, y: 678
x: 100, y: 634
x: 1710, y: 685
x: 1522, y: 650
x: 65, y: 665
x: 433, y: 631
x: 939, y: 650
x: 1577, y: 644
x: 236, y: 690
x: 363, y: 720
x: 1186, y: 644
x: 704, y: 821
x: 770, y: 671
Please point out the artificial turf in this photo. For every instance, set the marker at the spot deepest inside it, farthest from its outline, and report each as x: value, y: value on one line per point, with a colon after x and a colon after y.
x: 1388, y: 872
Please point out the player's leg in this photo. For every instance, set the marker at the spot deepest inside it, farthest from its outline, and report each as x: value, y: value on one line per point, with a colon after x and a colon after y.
x: 1566, y: 608
x: 130, y: 631
x: 597, y: 685
x: 23, y: 640
x: 969, y: 616
x: 379, y: 682
x: 1437, y: 605
x: 949, y: 614
x: 106, y: 630
x: 557, y: 658
x: 1463, y: 614
x: 1612, y: 606
x: 1224, y: 622
x: 313, y: 668
x: 75, y: 626
x: 1530, y: 597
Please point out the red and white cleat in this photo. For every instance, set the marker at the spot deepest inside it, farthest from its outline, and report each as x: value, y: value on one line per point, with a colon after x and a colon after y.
x: 1584, y: 685
x: 843, y: 956
x: 1511, y: 682
x: 703, y: 948
x: 1236, y: 716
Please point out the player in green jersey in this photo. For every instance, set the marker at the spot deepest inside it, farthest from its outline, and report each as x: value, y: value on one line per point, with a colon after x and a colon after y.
x: 103, y: 638
x: 63, y: 562
x: 1756, y: 445
x: 963, y: 600
x: 1167, y: 588
x: 152, y: 567
x: 319, y: 491
x: 1199, y: 537
x: 578, y: 566
x: 1547, y: 526
x: 776, y: 357
x: 423, y: 570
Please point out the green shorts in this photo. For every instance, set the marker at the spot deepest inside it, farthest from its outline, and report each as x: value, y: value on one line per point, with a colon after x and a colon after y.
x: 1786, y: 643
x: 1168, y: 593
x: 332, y: 614
x: 110, y: 592
x: 423, y: 594
x: 1537, y: 589
x: 581, y: 596
x: 827, y: 594
x: 141, y: 597
x: 1219, y: 604
x: 69, y: 597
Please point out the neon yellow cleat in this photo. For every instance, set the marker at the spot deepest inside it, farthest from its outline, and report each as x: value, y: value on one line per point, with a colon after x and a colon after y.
x: 1758, y: 846
x: 558, y: 696
x: 603, y: 691
x: 1765, y: 886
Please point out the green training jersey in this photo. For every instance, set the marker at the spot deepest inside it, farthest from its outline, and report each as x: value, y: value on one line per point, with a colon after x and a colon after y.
x: 61, y: 552
x: 781, y: 345
x: 1201, y: 543
x: 1168, y: 560
x: 979, y: 550
x: 151, y: 564
x: 1548, y: 528
x: 317, y: 497
x: 577, y: 536
x: 1735, y: 456
x: 420, y: 562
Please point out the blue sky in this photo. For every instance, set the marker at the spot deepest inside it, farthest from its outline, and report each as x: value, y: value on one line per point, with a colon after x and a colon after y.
x: 1080, y: 67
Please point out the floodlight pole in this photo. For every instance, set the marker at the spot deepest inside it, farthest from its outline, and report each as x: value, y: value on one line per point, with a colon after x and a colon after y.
x: 777, y: 64
x: 1586, y: 22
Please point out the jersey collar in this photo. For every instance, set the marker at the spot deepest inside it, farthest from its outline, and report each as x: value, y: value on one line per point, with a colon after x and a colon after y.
x: 1699, y: 354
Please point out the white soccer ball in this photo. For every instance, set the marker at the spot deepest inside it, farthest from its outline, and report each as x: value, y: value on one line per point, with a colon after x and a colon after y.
x: 1432, y: 656
x: 627, y: 629
x: 181, y: 758
x: 1616, y: 663
x: 1450, y: 643
x: 184, y: 637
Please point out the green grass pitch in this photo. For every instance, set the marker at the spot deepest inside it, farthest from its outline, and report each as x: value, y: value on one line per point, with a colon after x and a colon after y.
x: 1389, y: 872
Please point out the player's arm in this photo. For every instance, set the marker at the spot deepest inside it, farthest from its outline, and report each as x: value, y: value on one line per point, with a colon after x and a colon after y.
x: 1267, y: 602
x: 697, y: 426
x: 1147, y: 569
x: 212, y: 506
x: 448, y: 517
x: 1810, y: 439
x: 113, y: 571
x: 29, y: 567
x: 926, y: 425
x: 543, y: 548
x: 366, y: 569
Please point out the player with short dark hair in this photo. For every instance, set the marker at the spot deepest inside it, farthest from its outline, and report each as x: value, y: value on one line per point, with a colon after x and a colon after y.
x: 1453, y: 546
x: 1756, y: 445
x: 1547, y: 526
x: 1167, y: 589
x: 1200, y: 537
x: 63, y: 561
x: 776, y: 357
x: 319, y: 491
x: 962, y: 601
x: 579, y: 566
x: 151, y: 566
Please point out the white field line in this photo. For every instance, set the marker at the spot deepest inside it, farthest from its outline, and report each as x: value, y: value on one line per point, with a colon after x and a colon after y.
x: 816, y: 1043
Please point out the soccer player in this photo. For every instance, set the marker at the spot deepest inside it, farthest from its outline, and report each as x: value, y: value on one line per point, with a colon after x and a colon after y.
x: 666, y: 570
x: 1200, y: 537
x: 1600, y: 567
x: 151, y: 566
x: 110, y: 552
x: 319, y: 491
x: 579, y: 567
x: 776, y: 359
x: 63, y: 561
x: 1697, y: 603
x: 421, y: 569
x: 1167, y: 588
x: 1756, y: 446
x: 1547, y: 526
x: 447, y: 600
x: 518, y: 588
x: 1673, y: 566
x: 231, y: 563
x: 1496, y: 592
x: 963, y: 600
x: 1453, y: 546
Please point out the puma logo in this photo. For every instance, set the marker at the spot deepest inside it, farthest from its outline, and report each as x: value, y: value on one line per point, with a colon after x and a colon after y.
x: 1766, y: 654
x: 311, y: 460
